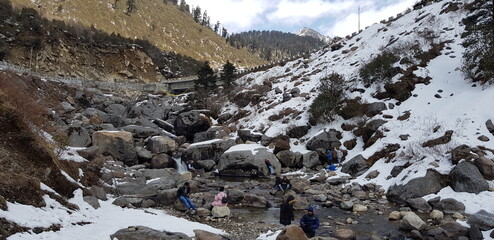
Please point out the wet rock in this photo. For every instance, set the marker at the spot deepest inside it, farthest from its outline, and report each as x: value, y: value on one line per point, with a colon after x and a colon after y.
x: 325, y: 140
x: 162, y: 144
x: 239, y: 162
x: 419, y: 204
x: 483, y: 219
x: 289, y: 158
x: 432, y: 182
x: 486, y: 167
x: 450, y: 206
x: 140, y: 232
x: 466, y: 177
x: 292, y: 233
x: 220, y: 212
x: 355, y: 166
x: 412, y: 222
x: 119, y: 144
x: 205, y: 235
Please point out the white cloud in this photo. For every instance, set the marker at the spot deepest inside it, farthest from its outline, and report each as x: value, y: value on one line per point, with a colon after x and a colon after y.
x: 296, y: 12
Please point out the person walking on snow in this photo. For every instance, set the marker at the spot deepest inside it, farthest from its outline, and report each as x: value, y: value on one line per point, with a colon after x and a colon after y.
x: 309, y: 222
x: 286, y: 211
x: 183, y: 196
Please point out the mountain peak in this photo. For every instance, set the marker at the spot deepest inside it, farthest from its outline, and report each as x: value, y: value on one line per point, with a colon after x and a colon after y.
x: 309, y: 32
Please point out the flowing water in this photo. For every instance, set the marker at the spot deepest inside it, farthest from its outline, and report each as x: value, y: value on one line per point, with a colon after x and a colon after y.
x: 181, y: 166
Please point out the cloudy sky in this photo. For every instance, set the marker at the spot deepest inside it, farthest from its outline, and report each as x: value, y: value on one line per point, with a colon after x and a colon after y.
x: 329, y: 17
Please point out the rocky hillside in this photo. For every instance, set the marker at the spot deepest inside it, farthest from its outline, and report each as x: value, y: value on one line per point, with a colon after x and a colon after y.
x: 163, y: 25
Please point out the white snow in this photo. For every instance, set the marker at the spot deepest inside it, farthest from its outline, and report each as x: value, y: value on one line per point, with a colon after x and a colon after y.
x: 254, y: 148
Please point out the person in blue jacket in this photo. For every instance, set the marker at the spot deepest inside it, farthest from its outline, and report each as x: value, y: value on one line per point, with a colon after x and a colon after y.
x: 309, y: 222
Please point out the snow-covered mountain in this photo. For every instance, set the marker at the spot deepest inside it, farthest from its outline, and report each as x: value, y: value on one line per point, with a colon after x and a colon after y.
x: 439, y: 99
x: 309, y: 32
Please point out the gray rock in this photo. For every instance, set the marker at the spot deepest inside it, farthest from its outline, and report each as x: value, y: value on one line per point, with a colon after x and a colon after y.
x: 419, y: 204
x: 355, y: 166
x: 454, y: 229
x: 286, y: 97
x: 320, y: 198
x: 372, y: 174
x: 207, y: 165
x: 141, y: 232
x: 121, y: 202
x: 310, y: 159
x: 248, y: 135
x: 412, y: 222
x: 149, y: 110
x: 432, y: 182
x: 376, y: 108
x: 220, y: 212
x: 486, y: 167
x: 462, y: 152
x: 289, y: 158
x: 482, y: 219
x: 91, y: 200
x: 119, y: 144
x: 490, y: 126
x: 66, y: 107
x: 474, y: 233
x: 211, y: 150
x: 189, y: 123
x: 162, y: 144
x: 347, y: 205
x: 116, y: 109
x: 147, y: 203
x: 93, y: 113
x: 140, y: 131
x: 166, y: 197
x: 466, y: 177
x: 298, y: 131
x: 450, y: 206
x: 149, y: 174
x: 162, y: 161
x: 246, y: 162
x: 78, y: 136
x: 205, y: 235
x: 325, y: 140
x: 251, y: 200
x: 235, y: 196
x: 144, y: 154
x: 98, y: 192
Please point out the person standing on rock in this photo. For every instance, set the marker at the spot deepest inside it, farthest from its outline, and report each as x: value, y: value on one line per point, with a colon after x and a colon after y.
x: 309, y: 222
x: 221, y: 199
x: 286, y: 211
x: 183, y: 196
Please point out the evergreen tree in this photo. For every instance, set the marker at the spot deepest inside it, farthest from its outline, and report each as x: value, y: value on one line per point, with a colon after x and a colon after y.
x: 184, y: 7
x: 130, y: 6
x: 328, y: 100
x: 205, y: 19
x: 205, y: 78
x: 217, y: 27
x: 478, y: 58
x: 228, y: 73
x: 196, y: 14
x: 224, y: 33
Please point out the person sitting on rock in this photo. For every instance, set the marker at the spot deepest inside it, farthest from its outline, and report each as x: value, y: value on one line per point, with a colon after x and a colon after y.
x: 283, y: 185
x: 183, y: 196
x: 286, y: 211
x: 221, y: 199
x: 270, y: 167
x: 309, y: 222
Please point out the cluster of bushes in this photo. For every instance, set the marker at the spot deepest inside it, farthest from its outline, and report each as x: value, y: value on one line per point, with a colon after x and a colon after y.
x: 379, y: 69
x: 328, y: 101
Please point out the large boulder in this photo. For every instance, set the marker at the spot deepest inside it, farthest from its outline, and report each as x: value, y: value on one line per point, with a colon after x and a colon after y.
x: 325, y: 140
x: 235, y: 196
x: 207, y: 150
x: 162, y: 161
x: 96, y: 116
x: 247, y: 160
x: 162, y: 144
x: 292, y: 232
x: 219, y: 212
x: 251, y: 200
x: 419, y: 204
x: 355, y: 166
x: 205, y: 235
x: 486, y: 167
x: 141, y: 232
x: 119, y: 144
x: 310, y: 159
x: 412, y: 222
x: 376, y: 108
x: 482, y: 219
x: 189, y: 123
x: 281, y: 143
x: 78, y: 136
x: 490, y: 126
x: 210, y: 134
x: 432, y: 182
x: 289, y: 158
x: 141, y: 131
x: 149, y: 110
x: 116, y: 109
x: 462, y: 152
x: 466, y: 177
x: 248, y: 135
x: 450, y: 206
x: 298, y: 131
x: 300, y: 185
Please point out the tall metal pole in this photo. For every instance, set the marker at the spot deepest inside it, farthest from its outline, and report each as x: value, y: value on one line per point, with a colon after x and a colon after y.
x: 358, y: 30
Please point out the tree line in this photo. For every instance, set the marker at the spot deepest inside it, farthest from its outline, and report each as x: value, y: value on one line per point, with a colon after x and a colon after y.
x: 274, y: 45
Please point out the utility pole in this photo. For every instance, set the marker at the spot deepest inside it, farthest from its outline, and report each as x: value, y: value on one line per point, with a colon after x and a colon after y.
x: 358, y: 30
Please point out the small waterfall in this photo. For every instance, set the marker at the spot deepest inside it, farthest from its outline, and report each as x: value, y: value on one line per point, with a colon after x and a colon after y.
x: 181, y: 166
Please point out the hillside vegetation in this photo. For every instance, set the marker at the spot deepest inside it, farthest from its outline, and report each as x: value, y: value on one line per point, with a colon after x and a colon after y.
x: 163, y: 25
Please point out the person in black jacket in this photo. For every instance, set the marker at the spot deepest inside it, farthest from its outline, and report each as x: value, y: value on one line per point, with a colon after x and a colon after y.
x: 286, y: 211
x: 282, y: 184
x: 183, y: 196
x: 309, y: 223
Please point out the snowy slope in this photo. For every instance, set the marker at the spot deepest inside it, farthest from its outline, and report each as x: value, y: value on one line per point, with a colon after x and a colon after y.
x: 463, y: 106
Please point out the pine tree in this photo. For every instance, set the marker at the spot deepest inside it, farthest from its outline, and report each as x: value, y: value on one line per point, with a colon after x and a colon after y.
x: 205, y: 77
x: 130, y: 6
x: 217, y: 27
x: 224, y: 33
x: 196, y: 14
x: 228, y: 73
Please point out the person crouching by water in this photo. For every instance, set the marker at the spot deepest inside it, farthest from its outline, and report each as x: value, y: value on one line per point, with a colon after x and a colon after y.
x: 220, y: 200
x: 309, y: 222
x: 286, y: 211
x: 183, y: 196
